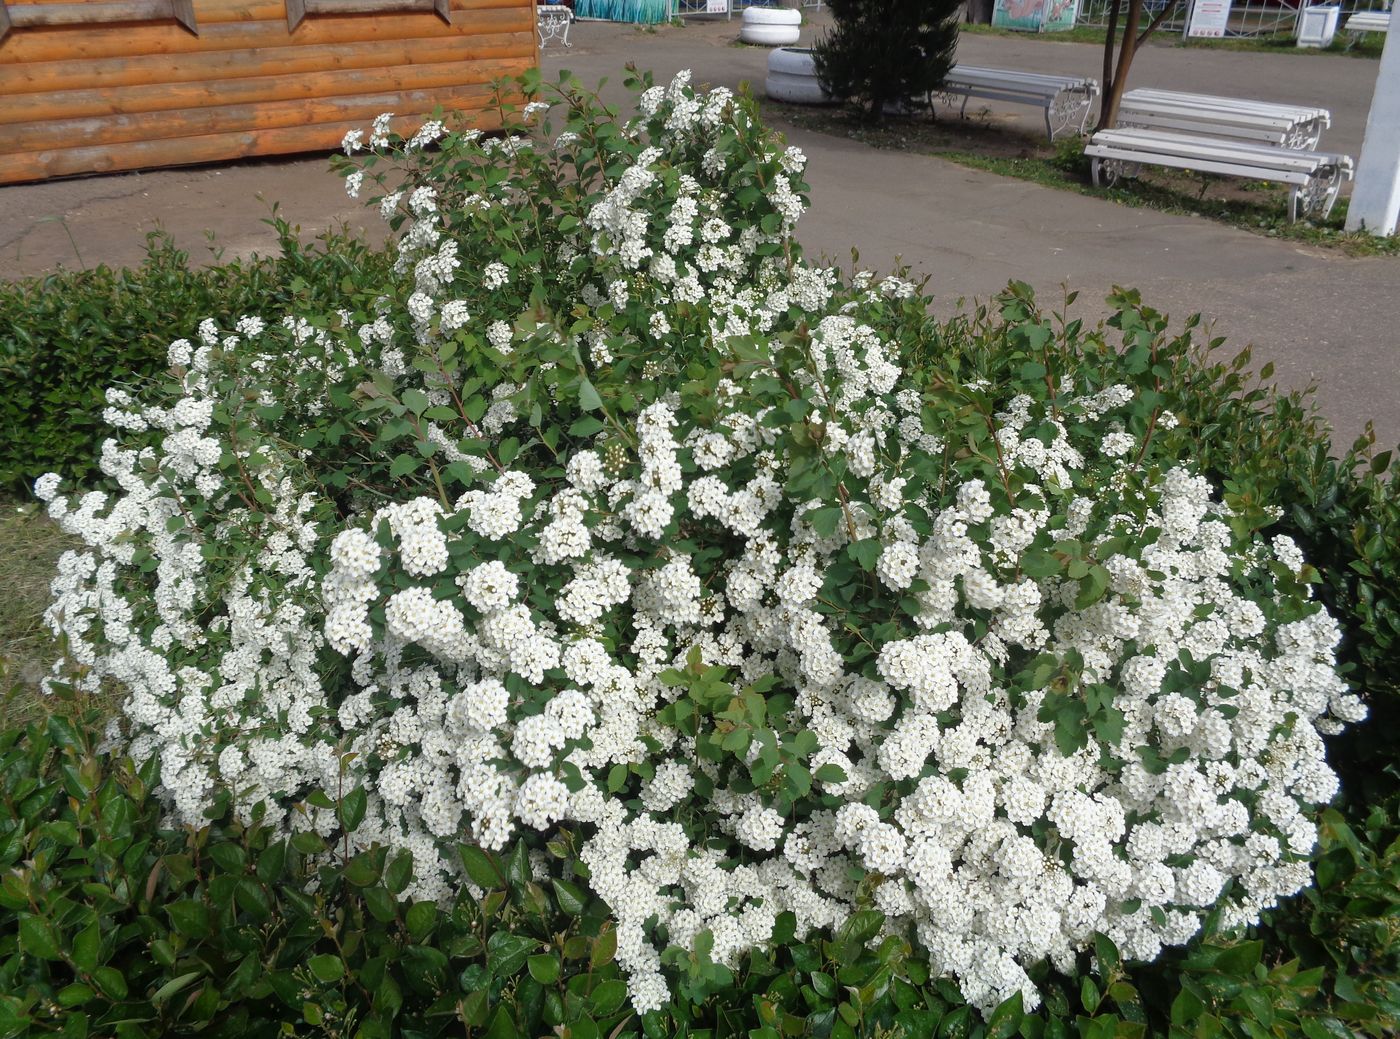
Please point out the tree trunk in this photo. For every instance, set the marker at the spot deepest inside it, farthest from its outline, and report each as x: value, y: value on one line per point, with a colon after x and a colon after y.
x: 1115, y: 72
x: 979, y: 12
x: 1113, y: 94
x: 1110, y: 39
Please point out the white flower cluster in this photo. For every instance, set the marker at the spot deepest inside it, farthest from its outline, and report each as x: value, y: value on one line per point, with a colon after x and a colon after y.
x: 1005, y: 767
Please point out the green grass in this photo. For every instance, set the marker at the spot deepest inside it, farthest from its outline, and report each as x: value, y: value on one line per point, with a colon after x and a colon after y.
x: 30, y: 544
x: 1368, y: 46
x: 1253, y: 206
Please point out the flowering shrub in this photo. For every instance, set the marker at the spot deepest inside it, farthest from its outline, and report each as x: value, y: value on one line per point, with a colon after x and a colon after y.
x: 67, y: 337
x: 614, y: 522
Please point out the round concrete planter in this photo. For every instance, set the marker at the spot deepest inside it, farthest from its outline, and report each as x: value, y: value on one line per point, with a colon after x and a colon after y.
x: 770, y: 26
x: 792, y: 77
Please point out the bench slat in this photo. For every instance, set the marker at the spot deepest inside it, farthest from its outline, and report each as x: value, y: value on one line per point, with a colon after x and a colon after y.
x: 1368, y: 21
x: 1314, y: 177
x: 1225, y: 168
x: 1160, y: 142
x: 1064, y: 99
x: 1271, y: 123
x: 981, y: 74
x: 1219, y: 103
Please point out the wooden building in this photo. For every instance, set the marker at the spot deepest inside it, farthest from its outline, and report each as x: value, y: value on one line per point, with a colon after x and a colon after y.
x: 92, y: 86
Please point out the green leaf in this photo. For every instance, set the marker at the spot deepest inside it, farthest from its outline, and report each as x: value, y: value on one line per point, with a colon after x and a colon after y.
x: 1106, y: 952
x: 586, y: 427
x: 1089, y: 994
x: 1240, y: 959
x: 607, y: 997
x: 506, y: 953
x: 502, y: 1025
x: 87, y: 947
x: 861, y: 926
x: 326, y: 968
x: 588, y: 398
x: 518, y: 867
x: 400, y: 871
x: 189, y: 918
x: 272, y: 861
x: 1039, y: 564
x: 571, y: 899
x: 362, y: 870
x: 110, y: 982
x: 382, y: 905
x: 825, y: 521
x: 1092, y: 587
x: 352, y: 808
x: 36, y: 938
x: 480, y: 867
x: 421, y: 918
x: 1006, y: 1019
x: 69, y: 996
x: 866, y: 552
x: 252, y: 898
x: 604, y: 948
x: 404, y: 464
x: 544, y: 968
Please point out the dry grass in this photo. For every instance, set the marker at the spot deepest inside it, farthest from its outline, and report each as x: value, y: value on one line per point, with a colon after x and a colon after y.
x: 30, y: 544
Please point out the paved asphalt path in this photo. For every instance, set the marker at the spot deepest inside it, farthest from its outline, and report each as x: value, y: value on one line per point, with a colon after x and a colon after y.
x: 1318, y: 315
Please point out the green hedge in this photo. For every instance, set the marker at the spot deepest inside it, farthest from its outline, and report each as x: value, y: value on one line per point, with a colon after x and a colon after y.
x: 113, y: 924
x: 66, y: 337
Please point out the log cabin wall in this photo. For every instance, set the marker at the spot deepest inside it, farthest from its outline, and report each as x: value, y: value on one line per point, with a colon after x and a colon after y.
x: 95, y: 86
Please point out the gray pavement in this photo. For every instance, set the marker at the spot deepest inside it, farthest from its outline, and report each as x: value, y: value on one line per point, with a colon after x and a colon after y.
x: 1317, y: 314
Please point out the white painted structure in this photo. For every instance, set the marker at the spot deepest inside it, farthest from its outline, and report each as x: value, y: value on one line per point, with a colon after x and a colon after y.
x: 1313, y: 178
x: 792, y: 78
x: 1317, y: 26
x: 771, y: 26
x: 1375, y: 204
x: 1208, y: 18
x: 1363, y: 22
x: 1289, y: 126
x: 552, y: 22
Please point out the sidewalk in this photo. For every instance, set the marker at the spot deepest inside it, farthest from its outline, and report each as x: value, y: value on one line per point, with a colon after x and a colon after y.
x: 1317, y: 314
x: 1314, y: 313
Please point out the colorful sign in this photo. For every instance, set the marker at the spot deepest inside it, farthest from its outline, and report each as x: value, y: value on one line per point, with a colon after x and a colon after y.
x: 1035, y: 15
x: 1209, y: 18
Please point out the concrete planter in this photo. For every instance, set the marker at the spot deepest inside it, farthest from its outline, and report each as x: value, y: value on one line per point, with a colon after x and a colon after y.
x: 770, y: 26
x: 792, y: 77
x: 1317, y: 26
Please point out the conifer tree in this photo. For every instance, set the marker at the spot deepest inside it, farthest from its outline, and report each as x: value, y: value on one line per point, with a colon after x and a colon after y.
x: 883, y: 51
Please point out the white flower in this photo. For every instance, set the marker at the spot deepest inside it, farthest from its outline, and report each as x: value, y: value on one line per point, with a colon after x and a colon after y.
x: 46, y: 487
x: 495, y: 275
x: 312, y: 564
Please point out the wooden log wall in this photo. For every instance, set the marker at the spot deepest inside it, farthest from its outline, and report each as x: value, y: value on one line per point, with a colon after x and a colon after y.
x: 96, y: 86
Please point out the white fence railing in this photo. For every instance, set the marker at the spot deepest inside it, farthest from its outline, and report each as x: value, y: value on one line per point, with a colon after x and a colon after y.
x: 1246, y: 19
x: 684, y: 8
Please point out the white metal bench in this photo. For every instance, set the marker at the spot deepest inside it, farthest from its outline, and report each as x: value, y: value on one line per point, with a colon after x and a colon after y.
x: 1290, y: 126
x: 552, y: 21
x: 1363, y: 22
x: 1313, y: 178
x: 1065, y: 99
